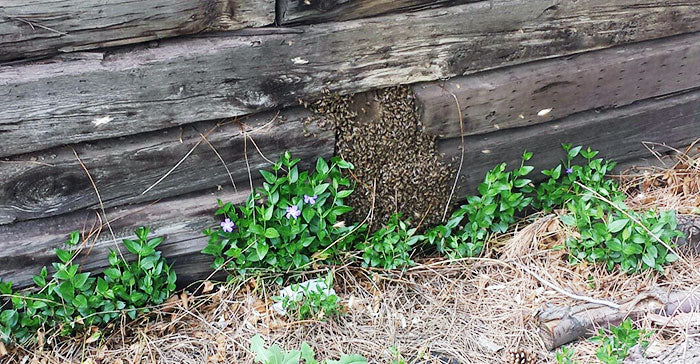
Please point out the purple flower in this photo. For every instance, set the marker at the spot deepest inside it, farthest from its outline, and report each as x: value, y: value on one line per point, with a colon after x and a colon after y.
x: 228, y: 225
x: 293, y: 211
x: 569, y: 170
x: 310, y: 199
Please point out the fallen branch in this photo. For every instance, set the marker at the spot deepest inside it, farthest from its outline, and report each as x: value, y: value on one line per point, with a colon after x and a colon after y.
x: 562, y: 325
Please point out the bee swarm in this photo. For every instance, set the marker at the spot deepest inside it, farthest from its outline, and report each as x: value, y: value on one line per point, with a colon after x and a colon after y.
x: 381, y: 134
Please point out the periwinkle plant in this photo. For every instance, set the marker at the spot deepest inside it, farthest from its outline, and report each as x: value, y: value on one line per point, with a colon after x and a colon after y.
x: 294, y: 217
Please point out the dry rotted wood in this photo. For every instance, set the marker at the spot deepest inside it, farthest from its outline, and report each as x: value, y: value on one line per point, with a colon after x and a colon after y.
x: 39, y: 28
x: 562, y: 325
x: 318, y: 11
x: 28, y: 246
x: 52, y: 182
x: 185, y: 80
x: 512, y: 97
x: 617, y: 133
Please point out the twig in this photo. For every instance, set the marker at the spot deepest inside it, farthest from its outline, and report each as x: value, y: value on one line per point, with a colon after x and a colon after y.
x: 102, y: 206
x: 461, y: 159
x: 564, y: 292
x: 33, y: 24
x: 178, y: 163
x: 222, y: 161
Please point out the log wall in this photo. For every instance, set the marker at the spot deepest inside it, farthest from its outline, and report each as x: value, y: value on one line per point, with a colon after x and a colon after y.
x: 83, y: 86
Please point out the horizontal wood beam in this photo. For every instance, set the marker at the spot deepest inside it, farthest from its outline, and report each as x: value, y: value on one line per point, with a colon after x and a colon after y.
x: 185, y: 80
x: 617, y: 133
x: 53, y: 182
x: 513, y: 97
x: 292, y: 12
x: 36, y: 28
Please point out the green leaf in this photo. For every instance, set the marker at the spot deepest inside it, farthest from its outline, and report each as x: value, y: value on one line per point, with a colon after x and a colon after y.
x: 267, y: 215
x: 65, y: 290
x: 344, y: 193
x: 293, y: 174
x: 631, y: 249
x: 649, y: 260
x: 132, y: 246
x: 617, y: 225
x: 79, y: 280
x: 256, y: 229
x: 556, y: 172
x: 321, y: 188
x: 153, y: 243
x: 308, y: 214
x: 271, y: 233
x: 490, y: 209
x: 344, y: 164
x: 9, y: 318
x: 321, y: 166
x: 349, y: 359
x: 113, y: 273
x: 39, y: 281
x: 614, y: 245
x: 269, y: 177
x: 64, y: 255
x: 261, y: 250
x: 80, y: 301
x: 568, y: 220
x: 308, y: 354
x: 573, y: 152
x: 652, y: 251
x: 522, y: 182
x: 102, y: 285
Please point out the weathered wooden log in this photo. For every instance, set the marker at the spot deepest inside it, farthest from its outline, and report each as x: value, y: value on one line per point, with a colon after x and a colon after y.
x: 186, y: 80
x: 562, y: 325
x: 28, y: 246
x: 513, y: 97
x: 617, y: 133
x: 40, y: 28
x: 291, y: 12
x: 53, y: 182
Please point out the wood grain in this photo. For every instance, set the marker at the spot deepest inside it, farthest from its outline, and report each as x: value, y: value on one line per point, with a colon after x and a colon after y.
x: 617, y: 133
x: 181, y: 81
x: 292, y: 12
x: 513, y: 96
x: 53, y: 182
x: 39, y: 28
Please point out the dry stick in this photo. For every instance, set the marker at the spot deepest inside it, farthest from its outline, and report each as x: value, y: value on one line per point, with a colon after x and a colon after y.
x: 102, y: 206
x: 461, y: 159
x: 33, y: 24
x: 602, y: 198
x: 564, y: 292
x: 256, y: 129
x: 221, y: 159
x: 178, y: 163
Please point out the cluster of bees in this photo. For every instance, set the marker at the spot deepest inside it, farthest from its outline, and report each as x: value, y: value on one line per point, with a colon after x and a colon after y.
x: 397, y: 165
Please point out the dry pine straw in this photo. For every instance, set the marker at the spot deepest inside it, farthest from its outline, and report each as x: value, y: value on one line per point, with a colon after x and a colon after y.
x: 471, y: 310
